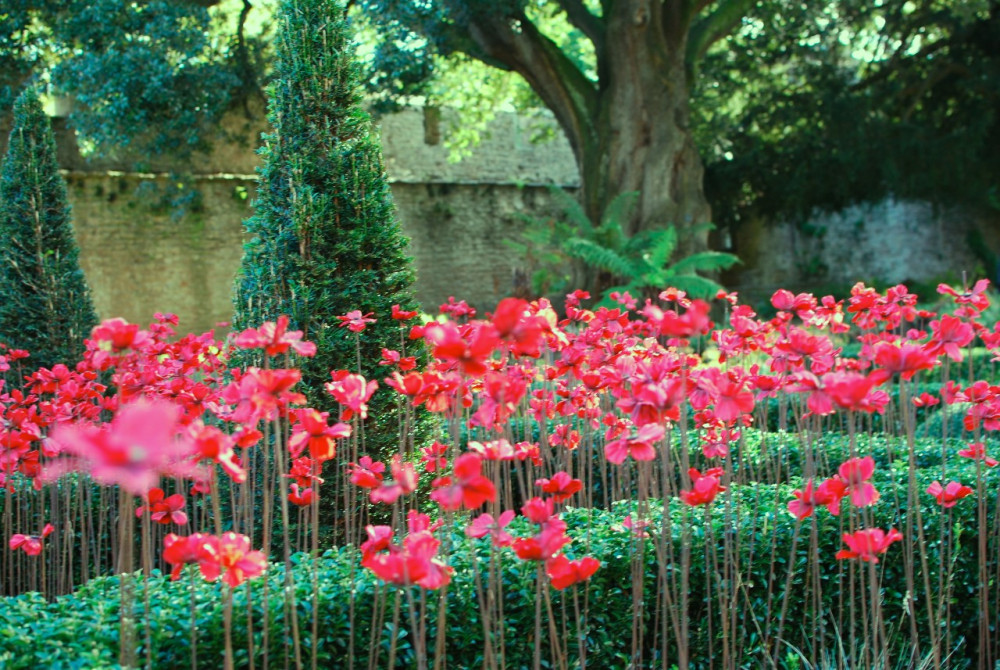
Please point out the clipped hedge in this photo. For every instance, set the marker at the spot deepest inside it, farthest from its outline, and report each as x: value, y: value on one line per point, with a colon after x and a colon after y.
x: 81, y: 630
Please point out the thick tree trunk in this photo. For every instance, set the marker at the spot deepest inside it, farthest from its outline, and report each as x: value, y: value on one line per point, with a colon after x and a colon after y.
x: 629, y: 130
x: 642, y: 137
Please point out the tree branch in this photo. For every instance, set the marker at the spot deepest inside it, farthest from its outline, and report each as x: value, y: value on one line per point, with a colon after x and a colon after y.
x: 590, y: 25
x: 898, y: 62
x: 516, y: 43
x: 714, y: 27
x: 248, y: 76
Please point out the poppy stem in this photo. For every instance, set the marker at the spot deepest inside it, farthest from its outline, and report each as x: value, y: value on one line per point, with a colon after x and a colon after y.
x: 227, y: 624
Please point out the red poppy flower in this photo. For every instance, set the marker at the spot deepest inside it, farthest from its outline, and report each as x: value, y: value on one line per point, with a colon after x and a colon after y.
x: 393, y: 357
x: 312, y: 431
x: 352, y: 391
x: 399, y: 314
x: 856, y: 472
x: 808, y: 498
x: 30, y: 544
x: 704, y: 487
x: 302, y: 498
x: 117, y: 335
x: 977, y: 452
x: 470, y: 347
x: 907, y: 359
x: 546, y: 544
x: 415, y: 562
x: 457, y: 308
x: 950, y: 494
x: 538, y: 510
x: 366, y: 473
x: 926, y: 400
x: 867, y: 544
x: 179, y: 551
x: 262, y: 395
x: 640, y: 446
x: 515, y: 324
x: 213, y: 444
x: 950, y: 335
x: 230, y: 556
x: 467, y: 488
x: 434, y: 456
x: 565, y: 573
x: 162, y: 509
x: 561, y: 486
x: 976, y: 297
x: 404, y: 481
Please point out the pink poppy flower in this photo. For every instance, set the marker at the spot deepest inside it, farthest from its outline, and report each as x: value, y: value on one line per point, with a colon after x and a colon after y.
x: 139, y: 445
x: 856, y: 472
x: 275, y: 339
x: 484, y: 525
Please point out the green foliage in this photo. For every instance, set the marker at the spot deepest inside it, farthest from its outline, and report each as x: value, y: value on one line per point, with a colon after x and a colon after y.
x: 823, y: 105
x: 803, y: 105
x: 325, y: 240
x: 144, y: 73
x: 16, y: 61
x: 45, y: 304
x: 153, y: 76
x: 562, y: 252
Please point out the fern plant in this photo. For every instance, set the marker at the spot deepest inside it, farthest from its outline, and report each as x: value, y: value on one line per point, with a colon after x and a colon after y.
x: 570, y: 253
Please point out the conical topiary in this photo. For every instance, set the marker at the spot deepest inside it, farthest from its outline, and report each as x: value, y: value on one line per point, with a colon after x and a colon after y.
x: 325, y: 237
x: 45, y: 304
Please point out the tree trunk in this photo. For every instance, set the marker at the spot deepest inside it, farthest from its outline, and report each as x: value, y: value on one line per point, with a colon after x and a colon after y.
x: 630, y: 130
x: 642, y: 137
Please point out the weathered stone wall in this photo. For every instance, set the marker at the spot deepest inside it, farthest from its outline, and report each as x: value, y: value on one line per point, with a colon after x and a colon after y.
x: 892, y: 241
x: 140, y: 260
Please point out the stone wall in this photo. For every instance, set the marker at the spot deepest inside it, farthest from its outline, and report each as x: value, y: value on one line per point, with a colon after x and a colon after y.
x: 892, y: 242
x: 140, y: 260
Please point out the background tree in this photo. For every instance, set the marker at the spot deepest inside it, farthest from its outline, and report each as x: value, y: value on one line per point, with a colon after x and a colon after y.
x: 325, y: 237
x: 815, y: 105
x: 45, y: 304
x: 153, y: 77
x: 624, y: 106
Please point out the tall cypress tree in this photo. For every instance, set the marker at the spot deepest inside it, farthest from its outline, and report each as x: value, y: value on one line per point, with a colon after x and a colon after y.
x: 45, y: 304
x: 325, y: 237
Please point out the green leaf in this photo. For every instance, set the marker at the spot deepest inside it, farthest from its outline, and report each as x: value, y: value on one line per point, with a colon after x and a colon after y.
x: 695, y: 286
x: 663, y: 248
x: 619, y: 209
x: 573, y: 209
x: 595, y: 255
x: 704, y: 261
